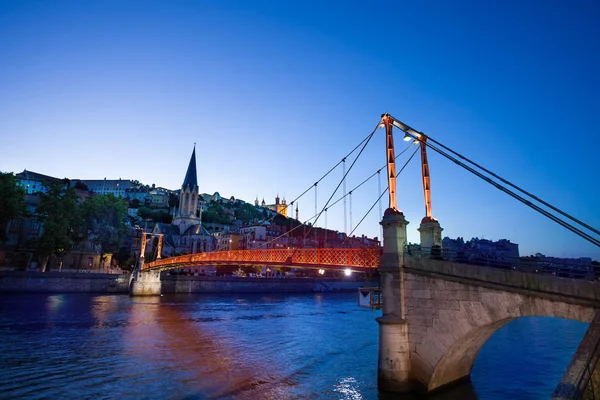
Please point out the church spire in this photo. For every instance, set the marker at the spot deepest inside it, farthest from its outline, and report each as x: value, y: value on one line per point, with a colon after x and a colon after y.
x: 190, y: 176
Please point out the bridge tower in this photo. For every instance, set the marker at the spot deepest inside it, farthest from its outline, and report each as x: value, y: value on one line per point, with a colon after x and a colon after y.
x: 146, y: 283
x: 430, y: 229
x: 394, y: 351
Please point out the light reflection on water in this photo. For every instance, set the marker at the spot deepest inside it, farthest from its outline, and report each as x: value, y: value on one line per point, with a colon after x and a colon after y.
x: 319, y: 346
x: 348, y: 389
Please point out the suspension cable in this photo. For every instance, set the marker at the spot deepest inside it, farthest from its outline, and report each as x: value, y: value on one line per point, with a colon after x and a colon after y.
x: 414, y: 133
x: 380, y: 209
x: 326, y: 174
x: 316, y: 197
x: 344, y: 191
x: 379, y: 198
x: 517, y: 187
x: 351, y: 210
x: 537, y: 208
x: 337, y: 187
x: 369, y: 178
x: 378, y: 172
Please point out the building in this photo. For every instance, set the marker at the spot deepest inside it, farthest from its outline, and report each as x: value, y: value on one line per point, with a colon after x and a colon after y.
x: 280, y: 207
x: 253, y: 236
x: 118, y: 187
x: 482, y: 251
x: 33, y: 182
x: 227, y: 241
x: 158, y: 198
x: 186, y: 235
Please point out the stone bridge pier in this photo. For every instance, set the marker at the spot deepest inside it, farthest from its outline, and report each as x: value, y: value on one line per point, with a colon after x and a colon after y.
x: 437, y: 314
x: 144, y: 283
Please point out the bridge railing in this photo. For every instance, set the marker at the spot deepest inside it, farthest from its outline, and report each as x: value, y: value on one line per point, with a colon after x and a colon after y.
x: 561, y: 268
x: 347, y: 257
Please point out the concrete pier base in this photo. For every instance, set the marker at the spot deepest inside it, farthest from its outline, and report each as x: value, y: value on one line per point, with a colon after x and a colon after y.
x: 394, y: 355
x: 145, y: 284
x: 394, y: 350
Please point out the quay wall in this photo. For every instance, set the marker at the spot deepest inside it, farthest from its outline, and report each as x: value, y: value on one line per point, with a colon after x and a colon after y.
x: 73, y: 282
x: 212, y: 284
x: 63, y: 282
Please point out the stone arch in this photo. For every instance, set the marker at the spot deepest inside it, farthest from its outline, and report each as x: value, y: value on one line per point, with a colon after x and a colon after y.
x: 450, y: 321
x: 459, y: 358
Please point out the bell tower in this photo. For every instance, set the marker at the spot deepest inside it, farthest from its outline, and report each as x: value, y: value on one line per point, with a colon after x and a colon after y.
x: 188, y: 198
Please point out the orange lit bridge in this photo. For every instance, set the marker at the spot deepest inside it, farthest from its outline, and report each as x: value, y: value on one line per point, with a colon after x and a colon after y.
x: 355, y: 259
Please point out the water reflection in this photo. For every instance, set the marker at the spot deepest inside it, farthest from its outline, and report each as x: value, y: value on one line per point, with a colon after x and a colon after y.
x: 459, y: 391
x: 208, y: 362
x: 348, y: 389
x: 53, y: 302
x: 239, y: 347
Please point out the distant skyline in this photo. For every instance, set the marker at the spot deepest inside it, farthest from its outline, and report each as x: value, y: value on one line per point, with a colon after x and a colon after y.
x: 276, y: 93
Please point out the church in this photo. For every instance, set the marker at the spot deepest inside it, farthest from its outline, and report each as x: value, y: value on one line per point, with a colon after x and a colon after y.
x: 185, y: 235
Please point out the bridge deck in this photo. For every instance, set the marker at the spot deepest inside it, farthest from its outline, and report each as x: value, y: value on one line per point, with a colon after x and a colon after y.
x: 328, y: 258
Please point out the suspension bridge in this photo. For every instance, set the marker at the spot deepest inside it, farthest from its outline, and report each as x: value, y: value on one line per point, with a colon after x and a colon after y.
x: 437, y: 313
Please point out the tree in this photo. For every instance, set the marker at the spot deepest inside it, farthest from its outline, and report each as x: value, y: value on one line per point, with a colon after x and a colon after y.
x: 210, y: 216
x: 12, y: 201
x: 104, y: 220
x: 80, y: 185
x: 57, y: 209
x: 173, y: 200
x: 135, y: 203
x: 144, y: 212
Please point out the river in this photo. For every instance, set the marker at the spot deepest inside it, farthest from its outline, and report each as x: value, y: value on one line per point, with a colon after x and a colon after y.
x: 302, y: 346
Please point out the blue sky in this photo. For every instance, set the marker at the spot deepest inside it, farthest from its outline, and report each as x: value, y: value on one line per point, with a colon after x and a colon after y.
x: 275, y: 93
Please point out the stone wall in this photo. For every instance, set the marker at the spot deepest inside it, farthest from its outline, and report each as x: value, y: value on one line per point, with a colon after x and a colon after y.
x: 206, y: 284
x: 65, y: 282
x: 581, y: 380
x: 453, y: 309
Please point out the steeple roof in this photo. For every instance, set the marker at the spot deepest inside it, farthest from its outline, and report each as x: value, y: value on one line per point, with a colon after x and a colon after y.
x: 190, y: 176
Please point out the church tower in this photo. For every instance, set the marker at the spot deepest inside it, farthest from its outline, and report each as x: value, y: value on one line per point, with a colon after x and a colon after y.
x: 188, y: 198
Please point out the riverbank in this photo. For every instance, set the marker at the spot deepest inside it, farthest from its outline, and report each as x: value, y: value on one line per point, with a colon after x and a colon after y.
x: 73, y: 282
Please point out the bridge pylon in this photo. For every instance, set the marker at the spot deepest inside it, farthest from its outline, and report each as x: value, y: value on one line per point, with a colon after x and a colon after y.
x: 145, y: 283
x: 431, y: 237
x: 393, y: 368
